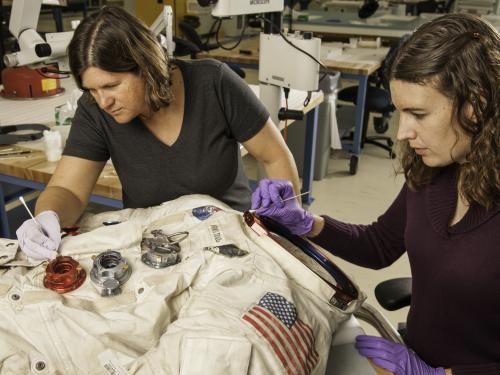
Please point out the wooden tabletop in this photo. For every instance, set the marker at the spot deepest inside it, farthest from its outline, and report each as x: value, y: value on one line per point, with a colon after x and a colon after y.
x: 359, y: 61
x: 34, y: 166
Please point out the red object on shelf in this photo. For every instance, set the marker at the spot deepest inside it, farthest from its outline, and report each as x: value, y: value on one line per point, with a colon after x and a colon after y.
x: 25, y: 83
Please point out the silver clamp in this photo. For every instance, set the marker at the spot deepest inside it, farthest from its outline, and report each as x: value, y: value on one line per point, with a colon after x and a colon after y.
x: 109, y: 272
x: 162, y: 250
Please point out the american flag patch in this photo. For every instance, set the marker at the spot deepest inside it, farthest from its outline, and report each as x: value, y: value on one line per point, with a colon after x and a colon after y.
x: 292, y: 340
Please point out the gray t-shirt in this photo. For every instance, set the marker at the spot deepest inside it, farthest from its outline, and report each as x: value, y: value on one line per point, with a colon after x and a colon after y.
x: 220, y: 111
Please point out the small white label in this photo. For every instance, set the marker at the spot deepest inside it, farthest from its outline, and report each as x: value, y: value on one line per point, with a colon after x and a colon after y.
x: 111, y: 364
x: 216, y: 233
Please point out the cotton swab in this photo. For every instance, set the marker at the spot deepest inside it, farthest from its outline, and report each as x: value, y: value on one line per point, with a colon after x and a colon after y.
x: 287, y: 199
x: 21, y: 198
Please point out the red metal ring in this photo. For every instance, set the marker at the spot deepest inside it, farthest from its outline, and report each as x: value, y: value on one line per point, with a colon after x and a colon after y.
x: 64, y: 274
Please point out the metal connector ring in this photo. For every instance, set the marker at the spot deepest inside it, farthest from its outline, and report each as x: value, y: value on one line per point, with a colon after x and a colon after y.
x: 64, y: 274
x: 109, y: 272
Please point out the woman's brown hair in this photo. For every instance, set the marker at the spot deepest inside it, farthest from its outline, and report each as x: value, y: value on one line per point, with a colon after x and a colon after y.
x: 458, y: 55
x: 115, y: 41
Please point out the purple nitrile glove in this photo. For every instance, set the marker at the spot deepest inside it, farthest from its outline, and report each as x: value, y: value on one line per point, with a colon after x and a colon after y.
x: 40, y: 241
x: 269, y: 199
x: 393, y: 357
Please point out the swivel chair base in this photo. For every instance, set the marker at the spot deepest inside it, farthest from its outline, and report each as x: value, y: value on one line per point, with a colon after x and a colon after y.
x: 374, y: 140
x: 381, y: 125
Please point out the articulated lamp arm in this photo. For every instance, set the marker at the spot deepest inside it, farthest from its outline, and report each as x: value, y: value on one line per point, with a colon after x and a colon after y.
x: 33, y: 48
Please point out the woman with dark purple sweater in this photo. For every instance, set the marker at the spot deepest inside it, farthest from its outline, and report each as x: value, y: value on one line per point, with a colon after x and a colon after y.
x: 445, y: 82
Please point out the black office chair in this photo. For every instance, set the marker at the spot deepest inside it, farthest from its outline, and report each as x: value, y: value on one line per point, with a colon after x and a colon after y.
x: 378, y: 100
x: 192, y: 35
x: 395, y: 294
x: 194, y: 38
x: 184, y: 47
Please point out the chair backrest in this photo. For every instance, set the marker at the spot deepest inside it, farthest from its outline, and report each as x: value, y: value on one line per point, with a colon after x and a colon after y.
x: 379, y: 99
x: 185, y: 47
x: 192, y: 35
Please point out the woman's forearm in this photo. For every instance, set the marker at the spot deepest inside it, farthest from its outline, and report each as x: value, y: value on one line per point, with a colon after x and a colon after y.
x: 284, y: 169
x: 67, y: 206
x: 269, y: 148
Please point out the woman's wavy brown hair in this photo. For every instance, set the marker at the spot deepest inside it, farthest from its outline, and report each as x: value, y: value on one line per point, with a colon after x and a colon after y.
x: 459, y: 55
x: 113, y: 40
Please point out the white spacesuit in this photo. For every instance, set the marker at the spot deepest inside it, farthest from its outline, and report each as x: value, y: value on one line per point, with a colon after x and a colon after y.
x: 260, y: 311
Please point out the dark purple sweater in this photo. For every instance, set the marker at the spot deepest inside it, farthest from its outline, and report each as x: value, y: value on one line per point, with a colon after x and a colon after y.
x: 454, y: 319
